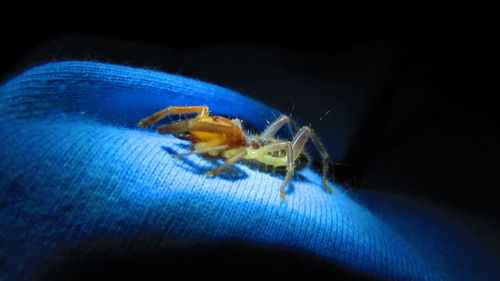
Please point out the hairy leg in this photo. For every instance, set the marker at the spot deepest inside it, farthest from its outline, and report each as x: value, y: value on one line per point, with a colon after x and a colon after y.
x: 298, y: 143
x: 194, y: 125
x: 204, y: 150
x: 157, y: 116
x: 290, y: 168
x: 277, y: 124
x: 238, y: 156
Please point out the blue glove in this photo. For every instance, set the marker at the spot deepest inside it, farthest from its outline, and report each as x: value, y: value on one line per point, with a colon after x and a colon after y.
x: 79, y: 180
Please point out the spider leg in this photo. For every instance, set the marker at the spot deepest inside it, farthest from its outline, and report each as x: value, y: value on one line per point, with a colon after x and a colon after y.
x: 194, y: 125
x: 298, y: 143
x: 157, y: 116
x: 203, y: 150
x: 277, y: 124
x: 238, y: 156
x: 290, y: 168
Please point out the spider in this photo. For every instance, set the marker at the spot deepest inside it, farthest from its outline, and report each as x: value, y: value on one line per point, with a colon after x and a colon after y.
x: 219, y: 136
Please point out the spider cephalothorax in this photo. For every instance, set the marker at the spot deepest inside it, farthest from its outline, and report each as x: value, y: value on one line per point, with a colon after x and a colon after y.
x: 219, y: 136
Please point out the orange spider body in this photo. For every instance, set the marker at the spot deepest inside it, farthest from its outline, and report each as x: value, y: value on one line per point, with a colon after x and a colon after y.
x: 216, y: 135
x: 201, y: 139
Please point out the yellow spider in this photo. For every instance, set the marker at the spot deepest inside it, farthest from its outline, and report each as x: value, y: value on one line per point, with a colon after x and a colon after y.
x: 219, y: 136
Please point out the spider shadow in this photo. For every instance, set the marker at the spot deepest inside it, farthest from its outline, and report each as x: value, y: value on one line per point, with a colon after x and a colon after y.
x: 233, y: 172
x: 280, y: 173
x: 229, y: 173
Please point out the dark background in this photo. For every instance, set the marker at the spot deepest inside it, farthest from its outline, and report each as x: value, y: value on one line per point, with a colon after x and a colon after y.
x: 404, y: 108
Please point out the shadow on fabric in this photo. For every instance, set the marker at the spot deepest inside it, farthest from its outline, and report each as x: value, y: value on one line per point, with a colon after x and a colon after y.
x: 224, y: 260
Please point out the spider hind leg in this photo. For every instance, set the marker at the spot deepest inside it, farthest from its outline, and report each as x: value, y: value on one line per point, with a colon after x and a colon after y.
x: 298, y: 142
x: 297, y: 147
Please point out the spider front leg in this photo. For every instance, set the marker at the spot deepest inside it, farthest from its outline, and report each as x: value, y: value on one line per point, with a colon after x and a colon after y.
x: 191, y: 125
x: 157, y: 116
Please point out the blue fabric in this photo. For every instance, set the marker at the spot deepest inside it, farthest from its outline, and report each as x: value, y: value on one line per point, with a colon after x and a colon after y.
x: 75, y: 168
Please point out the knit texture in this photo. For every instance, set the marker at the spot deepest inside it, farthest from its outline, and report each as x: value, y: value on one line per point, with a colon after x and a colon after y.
x: 74, y: 168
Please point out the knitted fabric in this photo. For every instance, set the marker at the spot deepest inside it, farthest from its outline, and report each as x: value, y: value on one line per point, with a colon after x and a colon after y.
x: 75, y: 171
